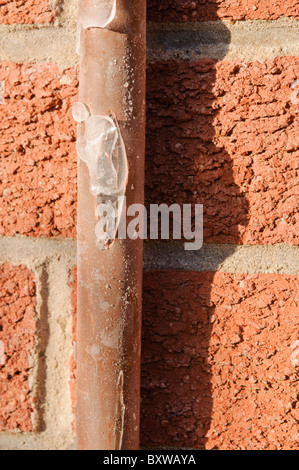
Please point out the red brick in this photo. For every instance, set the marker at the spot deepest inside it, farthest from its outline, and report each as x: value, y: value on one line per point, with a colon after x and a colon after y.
x: 38, y: 159
x: 219, y: 361
x: 26, y: 11
x: 220, y: 134
x: 225, y: 135
x: 17, y: 334
x: 205, y: 10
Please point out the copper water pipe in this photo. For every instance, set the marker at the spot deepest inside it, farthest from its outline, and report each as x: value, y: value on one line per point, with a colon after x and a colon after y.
x: 112, y: 82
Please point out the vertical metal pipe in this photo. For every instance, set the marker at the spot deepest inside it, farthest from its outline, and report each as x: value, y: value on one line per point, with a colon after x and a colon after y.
x: 112, y: 84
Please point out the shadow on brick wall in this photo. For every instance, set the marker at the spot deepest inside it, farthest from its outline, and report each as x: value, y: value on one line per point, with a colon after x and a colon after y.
x: 183, y: 10
x: 186, y: 162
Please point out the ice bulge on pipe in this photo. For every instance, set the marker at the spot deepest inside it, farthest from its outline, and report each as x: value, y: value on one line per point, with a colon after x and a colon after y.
x: 94, y: 14
x: 101, y: 147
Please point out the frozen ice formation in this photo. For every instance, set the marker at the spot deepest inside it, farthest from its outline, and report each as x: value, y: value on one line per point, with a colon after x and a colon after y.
x: 109, y: 213
x: 80, y: 112
x: 95, y: 14
x: 101, y: 146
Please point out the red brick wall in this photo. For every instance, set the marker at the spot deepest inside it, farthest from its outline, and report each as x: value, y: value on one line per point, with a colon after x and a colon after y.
x: 26, y: 11
x: 38, y: 156
x: 217, y: 361
x: 17, y: 337
x: 219, y: 349
x: 231, y: 125
x: 206, y: 10
x: 225, y: 135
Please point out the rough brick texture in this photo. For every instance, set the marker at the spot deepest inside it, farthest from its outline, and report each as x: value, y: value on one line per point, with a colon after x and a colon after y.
x: 204, y: 10
x: 220, y: 361
x: 226, y: 135
x: 17, y: 337
x: 220, y: 134
x: 26, y: 11
x: 37, y: 151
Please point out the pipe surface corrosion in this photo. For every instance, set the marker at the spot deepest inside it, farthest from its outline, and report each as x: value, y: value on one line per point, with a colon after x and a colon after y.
x: 111, y: 146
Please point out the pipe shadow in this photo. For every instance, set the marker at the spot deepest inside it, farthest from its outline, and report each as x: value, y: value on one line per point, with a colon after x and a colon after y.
x: 186, y: 162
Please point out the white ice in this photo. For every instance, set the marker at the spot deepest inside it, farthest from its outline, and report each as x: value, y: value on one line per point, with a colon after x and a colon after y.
x: 80, y: 112
x: 94, y: 14
x: 101, y: 146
